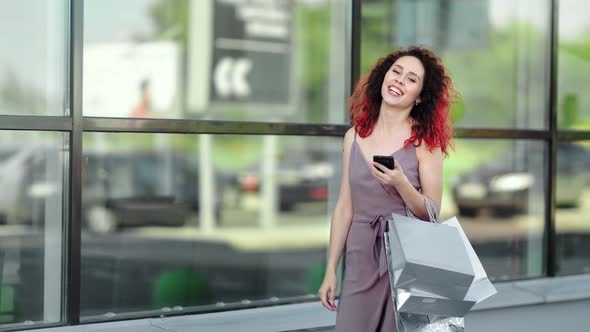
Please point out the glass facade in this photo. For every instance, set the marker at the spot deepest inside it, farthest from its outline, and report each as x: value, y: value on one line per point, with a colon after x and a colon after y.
x: 573, y: 104
x: 33, y: 210
x: 495, y: 51
x: 33, y: 61
x: 572, y: 201
x: 499, y: 198
x: 274, y: 61
x: 173, y: 221
x: 573, y: 116
x: 173, y: 157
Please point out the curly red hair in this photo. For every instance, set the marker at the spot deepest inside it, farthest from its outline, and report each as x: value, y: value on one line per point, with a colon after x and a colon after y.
x: 432, y: 120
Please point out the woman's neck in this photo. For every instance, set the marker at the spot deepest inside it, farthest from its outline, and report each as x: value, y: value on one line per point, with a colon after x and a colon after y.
x: 392, y: 120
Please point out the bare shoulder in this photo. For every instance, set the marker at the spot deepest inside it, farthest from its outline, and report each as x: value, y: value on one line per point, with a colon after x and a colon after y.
x: 349, y: 133
x: 349, y: 137
x: 426, y: 153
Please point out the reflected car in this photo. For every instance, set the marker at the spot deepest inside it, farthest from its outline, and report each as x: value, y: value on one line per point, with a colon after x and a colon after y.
x: 27, y: 183
x: 297, y: 183
x: 500, y: 187
x: 141, y: 188
x: 120, y: 189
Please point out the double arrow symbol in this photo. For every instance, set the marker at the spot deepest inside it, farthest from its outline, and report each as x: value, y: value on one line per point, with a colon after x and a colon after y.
x: 230, y: 75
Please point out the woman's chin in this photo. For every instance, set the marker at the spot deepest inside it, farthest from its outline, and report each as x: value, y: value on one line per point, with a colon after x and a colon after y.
x: 398, y: 104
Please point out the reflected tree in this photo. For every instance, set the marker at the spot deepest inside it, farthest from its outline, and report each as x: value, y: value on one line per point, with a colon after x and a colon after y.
x: 171, y: 20
x: 573, y: 84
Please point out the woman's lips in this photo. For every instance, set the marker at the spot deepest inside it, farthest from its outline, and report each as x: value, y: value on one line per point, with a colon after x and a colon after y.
x: 395, y: 91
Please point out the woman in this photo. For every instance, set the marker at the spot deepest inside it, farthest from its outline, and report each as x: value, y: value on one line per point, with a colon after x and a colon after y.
x: 401, y: 108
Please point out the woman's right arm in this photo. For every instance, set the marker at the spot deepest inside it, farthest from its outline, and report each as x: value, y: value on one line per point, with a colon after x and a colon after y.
x: 340, y: 225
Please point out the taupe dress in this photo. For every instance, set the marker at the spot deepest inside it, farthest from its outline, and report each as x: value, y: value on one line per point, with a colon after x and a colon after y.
x: 365, y: 303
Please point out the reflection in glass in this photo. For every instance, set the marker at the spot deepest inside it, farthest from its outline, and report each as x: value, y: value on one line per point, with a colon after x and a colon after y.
x: 200, y: 220
x: 224, y: 60
x: 33, y: 58
x: 495, y: 51
x: 573, y: 103
x: 573, y: 205
x: 124, y: 189
x: 32, y: 209
x: 496, y: 188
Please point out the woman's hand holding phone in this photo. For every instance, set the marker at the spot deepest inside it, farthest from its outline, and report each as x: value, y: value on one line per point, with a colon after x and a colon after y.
x: 386, y: 161
x: 387, y: 171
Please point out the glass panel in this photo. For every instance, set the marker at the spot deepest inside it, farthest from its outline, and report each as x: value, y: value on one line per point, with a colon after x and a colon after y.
x: 33, y: 204
x: 278, y: 60
x: 573, y: 65
x: 33, y: 58
x: 573, y: 205
x: 496, y: 52
x: 224, y: 221
x: 497, y: 188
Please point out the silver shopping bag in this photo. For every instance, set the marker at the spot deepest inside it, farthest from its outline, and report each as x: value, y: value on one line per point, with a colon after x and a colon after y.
x: 423, y: 307
x: 422, y: 323
x: 425, y: 321
x: 481, y: 288
x: 418, y: 311
x: 417, y: 302
x: 427, y: 257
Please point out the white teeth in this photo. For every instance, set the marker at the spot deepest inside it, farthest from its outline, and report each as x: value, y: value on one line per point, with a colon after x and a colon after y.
x: 396, y: 90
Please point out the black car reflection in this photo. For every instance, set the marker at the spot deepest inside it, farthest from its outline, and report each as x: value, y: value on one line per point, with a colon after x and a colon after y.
x: 297, y: 183
x: 506, y: 189
x: 147, y: 188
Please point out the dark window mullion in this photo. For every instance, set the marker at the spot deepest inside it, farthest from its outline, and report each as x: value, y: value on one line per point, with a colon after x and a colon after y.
x: 355, y: 43
x: 573, y: 135
x: 179, y: 126
x: 549, y: 233
x: 73, y: 229
x: 36, y: 123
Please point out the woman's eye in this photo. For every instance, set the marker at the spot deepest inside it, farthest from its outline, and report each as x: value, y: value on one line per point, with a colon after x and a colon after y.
x: 396, y: 71
x: 412, y: 80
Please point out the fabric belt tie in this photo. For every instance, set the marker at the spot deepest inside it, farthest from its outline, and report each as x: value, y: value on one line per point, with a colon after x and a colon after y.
x: 378, y: 225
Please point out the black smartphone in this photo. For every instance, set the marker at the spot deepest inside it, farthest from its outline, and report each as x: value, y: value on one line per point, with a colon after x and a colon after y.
x: 386, y: 161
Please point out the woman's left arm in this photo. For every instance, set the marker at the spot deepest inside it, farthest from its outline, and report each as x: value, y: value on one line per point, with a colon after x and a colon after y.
x: 430, y: 172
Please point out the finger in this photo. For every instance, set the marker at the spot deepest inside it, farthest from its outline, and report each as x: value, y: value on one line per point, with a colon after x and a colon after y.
x: 387, y: 173
x: 379, y: 166
x: 372, y: 169
x: 324, y: 299
x: 381, y: 177
x: 375, y: 171
x: 332, y: 298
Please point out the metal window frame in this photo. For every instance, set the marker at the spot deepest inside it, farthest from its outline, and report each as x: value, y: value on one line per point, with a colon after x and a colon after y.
x: 549, y: 236
x: 76, y: 124
x: 73, y: 230
x: 355, y: 42
x: 36, y: 123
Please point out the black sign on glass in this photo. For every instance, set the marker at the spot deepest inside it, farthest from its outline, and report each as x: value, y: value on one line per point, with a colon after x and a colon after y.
x: 251, y: 58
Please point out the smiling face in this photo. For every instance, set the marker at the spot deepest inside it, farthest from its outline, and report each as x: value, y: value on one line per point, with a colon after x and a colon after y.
x: 403, y: 82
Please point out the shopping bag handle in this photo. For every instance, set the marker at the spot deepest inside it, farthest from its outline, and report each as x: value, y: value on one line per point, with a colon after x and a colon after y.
x: 430, y: 208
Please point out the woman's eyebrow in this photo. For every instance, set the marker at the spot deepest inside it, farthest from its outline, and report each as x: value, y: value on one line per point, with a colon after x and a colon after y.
x: 414, y: 74
x: 402, y: 68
